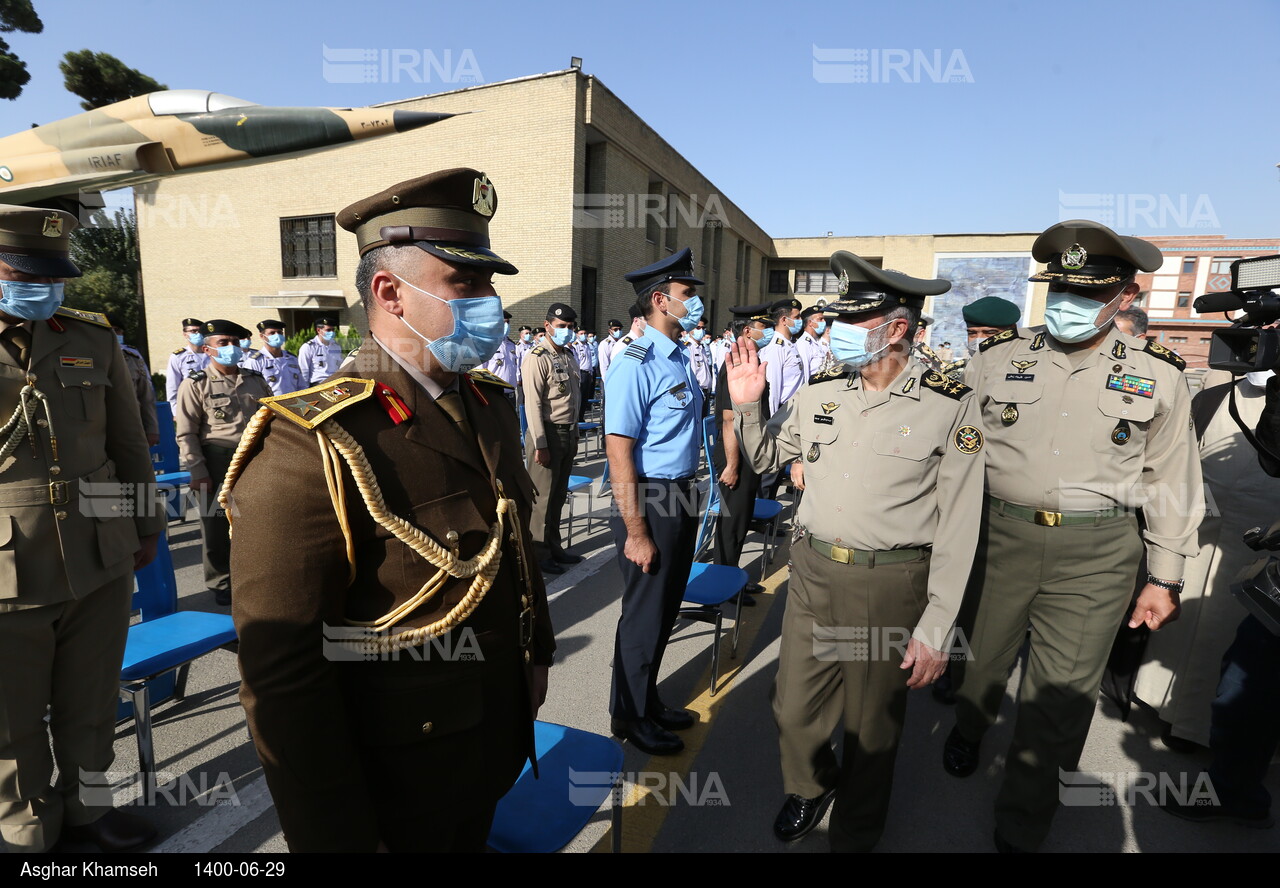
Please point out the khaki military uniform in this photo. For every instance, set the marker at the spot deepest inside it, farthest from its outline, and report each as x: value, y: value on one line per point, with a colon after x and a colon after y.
x: 68, y: 536
x: 213, y: 410
x: 415, y: 750
x: 145, y: 390
x: 1077, y: 441
x: 551, y: 394
x: 891, y: 511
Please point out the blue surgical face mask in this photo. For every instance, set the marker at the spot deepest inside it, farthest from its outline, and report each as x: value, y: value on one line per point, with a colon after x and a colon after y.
x: 821, y: 328
x: 693, y: 312
x: 477, y: 330
x: 582, y: 337
x: 275, y: 340
x: 30, y: 301
x: 526, y: 337
x: 616, y: 334
x: 697, y: 334
x: 245, y: 343
x: 196, y: 339
x: 561, y: 335
x: 228, y: 355
x: 849, y: 344
x: 329, y: 335
x: 506, y: 329
x: 1072, y: 318
x: 795, y: 327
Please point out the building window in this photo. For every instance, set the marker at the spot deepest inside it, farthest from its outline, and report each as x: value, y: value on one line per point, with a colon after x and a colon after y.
x: 1221, y: 265
x: 590, y: 287
x: 1178, y: 339
x: 1205, y: 340
x: 706, y: 244
x: 669, y: 220
x: 1184, y: 300
x: 737, y: 263
x: 307, y: 247
x: 1189, y: 265
x: 778, y: 282
x: 816, y: 282
x: 746, y: 267
x: 718, y: 247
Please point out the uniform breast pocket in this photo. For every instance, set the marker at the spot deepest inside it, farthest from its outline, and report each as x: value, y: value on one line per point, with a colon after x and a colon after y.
x: 1011, y: 410
x: 456, y: 512
x: 86, y: 390
x: 1125, y: 419
x: 817, y: 452
x: 896, y: 466
x: 678, y: 400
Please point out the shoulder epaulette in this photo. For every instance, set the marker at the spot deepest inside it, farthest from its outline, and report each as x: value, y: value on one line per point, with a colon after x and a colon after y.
x: 944, y: 385
x: 249, y: 371
x: 1002, y: 336
x: 312, y: 406
x: 538, y: 350
x: 627, y: 340
x: 130, y: 350
x: 196, y: 374
x: 481, y: 375
x: 1157, y: 350
x: 635, y: 351
x: 835, y: 371
x: 178, y: 351
x: 93, y: 317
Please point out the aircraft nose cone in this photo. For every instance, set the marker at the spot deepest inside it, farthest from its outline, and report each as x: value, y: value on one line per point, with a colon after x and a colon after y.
x: 411, y: 120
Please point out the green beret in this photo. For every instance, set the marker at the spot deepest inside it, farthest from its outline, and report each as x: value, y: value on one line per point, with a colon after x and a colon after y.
x: 992, y: 311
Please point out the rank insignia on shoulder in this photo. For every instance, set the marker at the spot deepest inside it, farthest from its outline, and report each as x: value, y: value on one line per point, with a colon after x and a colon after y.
x: 312, y: 406
x: 944, y: 385
x: 1002, y: 336
x: 968, y: 439
x: 636, y: 352
x: 1118, y: 350
x: 538, y: 350
x: 835, y: 371
x: 480, y: 375
x: 93, y: 317
x: 1157, y: 350
x: 178, y: 351
x: 1038, y: 342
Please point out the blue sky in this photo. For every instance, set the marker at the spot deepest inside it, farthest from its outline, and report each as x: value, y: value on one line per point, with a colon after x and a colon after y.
x: 1160, y: 114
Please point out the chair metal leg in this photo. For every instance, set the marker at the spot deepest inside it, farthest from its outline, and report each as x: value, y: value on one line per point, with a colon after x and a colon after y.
x: 569, y: 533
x: 616, y: 819
x: 140, y: 697
x: 737, y: 624
x: 180, y: 682
x: 715, y: 652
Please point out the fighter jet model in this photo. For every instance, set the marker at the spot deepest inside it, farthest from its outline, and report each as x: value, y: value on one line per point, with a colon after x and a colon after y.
x: 67, y: 163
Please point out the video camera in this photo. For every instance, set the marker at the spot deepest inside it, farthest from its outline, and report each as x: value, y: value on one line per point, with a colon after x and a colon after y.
x: 1246, y: 346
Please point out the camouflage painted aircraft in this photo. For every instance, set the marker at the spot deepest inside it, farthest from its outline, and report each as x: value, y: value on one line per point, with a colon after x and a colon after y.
x: 67, y: 163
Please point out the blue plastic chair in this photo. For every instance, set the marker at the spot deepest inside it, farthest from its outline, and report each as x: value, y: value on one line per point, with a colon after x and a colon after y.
x: 166, y: 641
x: 585, y: 430
x: 578, y: 484
x: 764, y: 510
x: 164, y: 459
x: 577, y: 771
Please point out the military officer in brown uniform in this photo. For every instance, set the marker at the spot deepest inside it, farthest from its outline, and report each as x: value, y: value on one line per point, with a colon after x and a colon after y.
x: 214, y: 406
x: 1084, y: 426
x: 893, y: 469
x: 69, y: 541
x: 550, y: 377
x: 399, y: 741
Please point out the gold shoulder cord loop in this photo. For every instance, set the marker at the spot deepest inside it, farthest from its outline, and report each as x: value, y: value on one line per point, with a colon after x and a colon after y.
x: 247, y: 440
x: 483, y: 568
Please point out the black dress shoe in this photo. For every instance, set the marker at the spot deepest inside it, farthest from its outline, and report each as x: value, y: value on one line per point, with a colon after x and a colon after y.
x: 549, y: 566
x: 799, y: 816
x: 672, y: 719
x: 566, y: 558
x: 959, y: 756
x: 222, y: 597
x: 114, y: 831
x: 1005, y: 847
x: 647, y: 736
x: 753, y: 588
x: 747, y: 600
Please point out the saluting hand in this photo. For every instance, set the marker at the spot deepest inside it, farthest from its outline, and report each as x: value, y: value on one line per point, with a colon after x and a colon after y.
x: 745, y: 375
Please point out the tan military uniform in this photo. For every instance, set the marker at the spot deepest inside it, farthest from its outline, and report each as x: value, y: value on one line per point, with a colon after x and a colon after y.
x: 66, y: 569
x: 403, y: 749
x: 551, y: 394
x: 145, y: 390
x: 213, y: 410
x: 1077, y: 441
x: 888, y: 475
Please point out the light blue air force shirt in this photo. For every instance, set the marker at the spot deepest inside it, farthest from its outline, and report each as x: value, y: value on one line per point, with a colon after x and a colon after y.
x: 651, y: 396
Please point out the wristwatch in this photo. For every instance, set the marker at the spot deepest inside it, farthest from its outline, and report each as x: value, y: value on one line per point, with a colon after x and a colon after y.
x: 1171, y: 585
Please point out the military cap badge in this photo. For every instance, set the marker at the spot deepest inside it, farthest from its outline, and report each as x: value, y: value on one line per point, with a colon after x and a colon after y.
x: 52, y: 226
x: 484, y: 196
x: 843, y: 285
x: 1073, y: 258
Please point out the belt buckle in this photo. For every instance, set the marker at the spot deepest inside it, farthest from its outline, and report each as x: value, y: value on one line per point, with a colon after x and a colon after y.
x: 58, y: 493
x: 1048, y: 519
x: 526, y: 627
x: 841, y: 555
